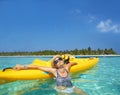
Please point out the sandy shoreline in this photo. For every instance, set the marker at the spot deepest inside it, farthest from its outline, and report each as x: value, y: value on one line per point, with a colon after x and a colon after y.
x: 73, y: 55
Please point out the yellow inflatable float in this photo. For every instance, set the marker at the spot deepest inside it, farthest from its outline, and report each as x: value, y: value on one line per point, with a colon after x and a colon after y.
x: 13, y: 75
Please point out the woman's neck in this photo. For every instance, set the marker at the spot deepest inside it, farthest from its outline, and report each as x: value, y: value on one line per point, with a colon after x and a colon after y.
x: 61, y: 69
x: 62, y: 72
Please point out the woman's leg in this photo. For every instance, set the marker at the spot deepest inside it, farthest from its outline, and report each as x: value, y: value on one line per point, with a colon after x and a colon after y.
x: 79, y: 91
x: 61, y: 93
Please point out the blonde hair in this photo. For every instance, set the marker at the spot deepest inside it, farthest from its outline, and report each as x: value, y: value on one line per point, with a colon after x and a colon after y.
x: 53, y: 59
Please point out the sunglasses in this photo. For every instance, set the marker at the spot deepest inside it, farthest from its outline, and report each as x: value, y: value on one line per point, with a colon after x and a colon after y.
x: 57, y: 60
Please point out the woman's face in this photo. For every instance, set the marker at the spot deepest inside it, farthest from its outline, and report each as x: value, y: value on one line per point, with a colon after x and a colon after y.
x: 58, y: 62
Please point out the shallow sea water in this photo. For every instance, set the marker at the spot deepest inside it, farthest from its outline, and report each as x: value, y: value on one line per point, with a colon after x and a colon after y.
x: 102, y: 79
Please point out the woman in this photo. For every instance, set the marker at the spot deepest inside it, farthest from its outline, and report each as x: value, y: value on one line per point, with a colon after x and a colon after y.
x: 60, y: 72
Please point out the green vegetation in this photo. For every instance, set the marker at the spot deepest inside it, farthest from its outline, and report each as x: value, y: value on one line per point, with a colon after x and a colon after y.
x: 87, y: 51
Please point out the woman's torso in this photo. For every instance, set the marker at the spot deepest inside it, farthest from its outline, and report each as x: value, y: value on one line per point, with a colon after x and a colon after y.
x: 63, y: 81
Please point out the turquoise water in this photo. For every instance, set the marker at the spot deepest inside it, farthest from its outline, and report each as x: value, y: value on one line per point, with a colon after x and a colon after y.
x: 103, y: 79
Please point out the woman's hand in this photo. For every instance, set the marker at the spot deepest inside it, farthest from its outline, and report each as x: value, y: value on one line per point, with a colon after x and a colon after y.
x: 18, y: 67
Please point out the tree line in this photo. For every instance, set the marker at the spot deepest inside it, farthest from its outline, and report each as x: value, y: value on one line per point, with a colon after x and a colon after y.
x: 88, y: 51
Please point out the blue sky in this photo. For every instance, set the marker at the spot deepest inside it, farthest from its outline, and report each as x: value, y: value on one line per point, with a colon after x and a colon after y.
x: 33, y: 25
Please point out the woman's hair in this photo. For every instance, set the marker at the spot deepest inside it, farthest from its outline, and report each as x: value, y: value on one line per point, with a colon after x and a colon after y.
x: 53, y: 59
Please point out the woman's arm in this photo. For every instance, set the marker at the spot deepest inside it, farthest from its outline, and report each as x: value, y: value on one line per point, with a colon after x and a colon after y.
x: 24, y: 67
x: 69, y: 65
x: 72, y: 63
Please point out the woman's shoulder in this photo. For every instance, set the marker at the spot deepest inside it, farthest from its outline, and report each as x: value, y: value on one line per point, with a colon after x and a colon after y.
x: 54, y: 69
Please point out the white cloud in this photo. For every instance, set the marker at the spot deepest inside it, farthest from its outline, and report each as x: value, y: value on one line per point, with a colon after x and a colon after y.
x: 91, y: 18
x: 108, y: 26
x: 76, y: 12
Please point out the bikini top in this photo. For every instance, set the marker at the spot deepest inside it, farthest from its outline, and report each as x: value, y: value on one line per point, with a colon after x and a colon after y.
x: 63, y: 81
